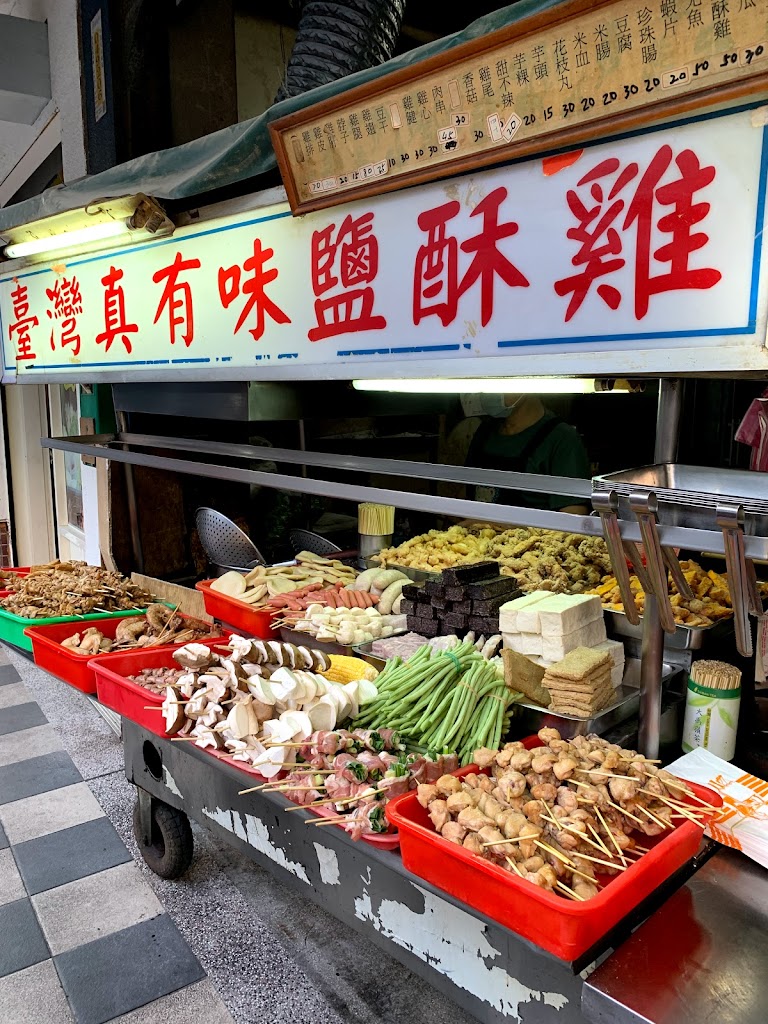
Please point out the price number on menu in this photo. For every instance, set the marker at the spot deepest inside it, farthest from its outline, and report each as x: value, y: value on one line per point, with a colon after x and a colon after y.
x: 670, y: 79
x: 447, y: 137
x: 459, y: 120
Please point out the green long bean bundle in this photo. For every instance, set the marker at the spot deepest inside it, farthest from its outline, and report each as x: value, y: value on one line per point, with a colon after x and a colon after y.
x: 443, y: 701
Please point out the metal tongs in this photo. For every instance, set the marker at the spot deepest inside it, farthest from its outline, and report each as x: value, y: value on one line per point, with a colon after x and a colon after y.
x: 661, y: 560
x: 742, y: 579
x: 606, y: 504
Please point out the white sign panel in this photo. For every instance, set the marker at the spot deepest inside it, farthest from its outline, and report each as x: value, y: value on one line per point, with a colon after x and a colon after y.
x: 631, y: 256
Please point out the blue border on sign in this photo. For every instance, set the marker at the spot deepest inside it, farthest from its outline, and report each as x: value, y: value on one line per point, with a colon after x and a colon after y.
x: 748, y: 328
x: 585, y: 339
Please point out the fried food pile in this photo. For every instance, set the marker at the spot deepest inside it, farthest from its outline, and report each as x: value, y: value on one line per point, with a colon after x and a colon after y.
x: 161, y: 625
x: 73, y: 588
x: 564, y: 816
x: 711, y: 601
x: 539, y: 559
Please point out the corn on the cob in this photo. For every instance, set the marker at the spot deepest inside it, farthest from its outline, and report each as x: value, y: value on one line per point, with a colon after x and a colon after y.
x: 347, y: 670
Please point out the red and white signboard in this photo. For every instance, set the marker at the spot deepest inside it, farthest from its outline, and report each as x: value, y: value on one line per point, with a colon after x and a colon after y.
x: 633, y: 256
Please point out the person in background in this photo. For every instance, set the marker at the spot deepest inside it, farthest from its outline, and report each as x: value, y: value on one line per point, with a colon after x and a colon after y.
x: 517, y: 434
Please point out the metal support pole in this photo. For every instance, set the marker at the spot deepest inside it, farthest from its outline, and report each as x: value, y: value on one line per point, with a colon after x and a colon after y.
x: 133, y: 512
x: 652, y: 657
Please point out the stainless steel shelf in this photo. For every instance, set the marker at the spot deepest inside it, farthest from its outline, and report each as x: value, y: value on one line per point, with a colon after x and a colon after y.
x: 137, y: 450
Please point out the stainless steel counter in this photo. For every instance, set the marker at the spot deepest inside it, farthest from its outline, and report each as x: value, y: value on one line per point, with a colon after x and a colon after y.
x: 703, y: 956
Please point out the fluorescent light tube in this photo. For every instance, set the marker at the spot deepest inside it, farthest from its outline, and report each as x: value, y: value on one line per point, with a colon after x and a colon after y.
x: 492, y: 386
x: 68, y: 239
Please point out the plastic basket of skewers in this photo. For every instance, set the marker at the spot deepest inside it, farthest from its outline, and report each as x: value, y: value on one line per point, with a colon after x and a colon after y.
x: 347, y: 778
x: 65, y: 649
x: 557, y: 841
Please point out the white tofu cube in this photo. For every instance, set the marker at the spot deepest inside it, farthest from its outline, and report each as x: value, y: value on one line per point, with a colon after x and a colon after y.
x: 523, y: 643
x: 509, y: 612
x: 556, y: 647
x: 564, y: 614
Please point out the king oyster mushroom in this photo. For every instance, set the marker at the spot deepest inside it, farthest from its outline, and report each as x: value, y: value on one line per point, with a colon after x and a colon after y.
x: 195, y: 657
x: 240, y: 647
x: 173, y: 712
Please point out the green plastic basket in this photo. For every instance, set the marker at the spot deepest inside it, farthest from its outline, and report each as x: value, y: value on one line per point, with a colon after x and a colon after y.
x: 12, y: 626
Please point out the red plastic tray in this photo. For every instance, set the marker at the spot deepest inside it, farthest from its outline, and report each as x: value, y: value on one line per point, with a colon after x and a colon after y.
x: 73, y: 668
x: 116, y: 691
x: 237, y: 613
x: 566, y: 929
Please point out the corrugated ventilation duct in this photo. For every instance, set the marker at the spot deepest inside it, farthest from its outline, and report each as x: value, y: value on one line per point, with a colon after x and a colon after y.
x: 338, y: 37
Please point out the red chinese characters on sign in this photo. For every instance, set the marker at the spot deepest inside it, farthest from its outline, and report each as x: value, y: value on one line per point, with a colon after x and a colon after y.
x: 22, y: 324
x: 230, y: 288
x: 177, y: 298
x: 345, y: 263
x: 611, y: 209
x: 67, y: 305
x: 437, y: 288
x: 115, y: 322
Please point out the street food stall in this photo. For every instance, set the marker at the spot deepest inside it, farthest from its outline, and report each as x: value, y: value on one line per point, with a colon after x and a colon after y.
x: 585, y: 203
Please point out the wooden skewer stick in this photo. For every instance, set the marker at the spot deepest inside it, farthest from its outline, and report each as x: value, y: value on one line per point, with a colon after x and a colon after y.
x: 570, y: 892
x: 589, y: 878
x: 555, y: 853
x: 680, y: 809
x: 688, y: 793
x: 514, y: 866
x: 573, y: 832
x: 344, y: 800
x: 598, y: 838
x: 611, y: 836
x: 517, y: 839
x: 607, y: 863
x: 657, y: 821
x: 623, y: 810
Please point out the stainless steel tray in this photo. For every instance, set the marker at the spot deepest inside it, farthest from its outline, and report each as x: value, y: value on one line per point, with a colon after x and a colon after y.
x: 532, y: 717
x: 417, y: 575
x: 684, y: 638
x: 689, y: 495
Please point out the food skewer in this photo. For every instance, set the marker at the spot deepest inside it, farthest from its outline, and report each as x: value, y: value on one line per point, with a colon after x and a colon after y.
x: 611, y: 836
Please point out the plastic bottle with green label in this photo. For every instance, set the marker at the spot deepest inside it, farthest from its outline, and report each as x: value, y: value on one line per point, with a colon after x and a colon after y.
x: 711, y: 719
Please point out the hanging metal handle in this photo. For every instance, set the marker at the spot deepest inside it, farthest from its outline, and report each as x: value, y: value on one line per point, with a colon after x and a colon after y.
x: 672, y: 563
x: 633, y: 554
x: 730, y: 519
x: 606, y: 504
x: 644, y: 506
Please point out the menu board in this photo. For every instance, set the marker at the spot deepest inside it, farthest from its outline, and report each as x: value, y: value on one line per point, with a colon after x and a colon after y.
x: 545, y: 81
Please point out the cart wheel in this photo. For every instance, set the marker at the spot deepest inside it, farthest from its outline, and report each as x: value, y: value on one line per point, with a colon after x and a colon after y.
x: 170, y: 850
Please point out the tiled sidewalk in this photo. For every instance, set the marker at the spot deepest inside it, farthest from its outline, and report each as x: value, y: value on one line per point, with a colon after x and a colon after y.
x: 83, y: 938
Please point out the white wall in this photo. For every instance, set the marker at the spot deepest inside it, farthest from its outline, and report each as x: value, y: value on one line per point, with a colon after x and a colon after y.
x: 22, y: 149
x: 64, y: 49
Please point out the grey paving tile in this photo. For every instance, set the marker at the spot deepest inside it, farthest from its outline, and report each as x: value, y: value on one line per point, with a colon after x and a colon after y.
x: 3, y: 839
x: 11, y: 885
x: 13, y: 695
x: 94, y: 907
x: 198, y: 1002
x: 88, y: 739
x: 22, y: 942
x: 49, y: 812
x: 34, y: 994
x: 37, y: 775
x: 124, y: 971
x: 8, y: 673
x: 28, y: 743
x: 23, y: 716
x: 72, y: 853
